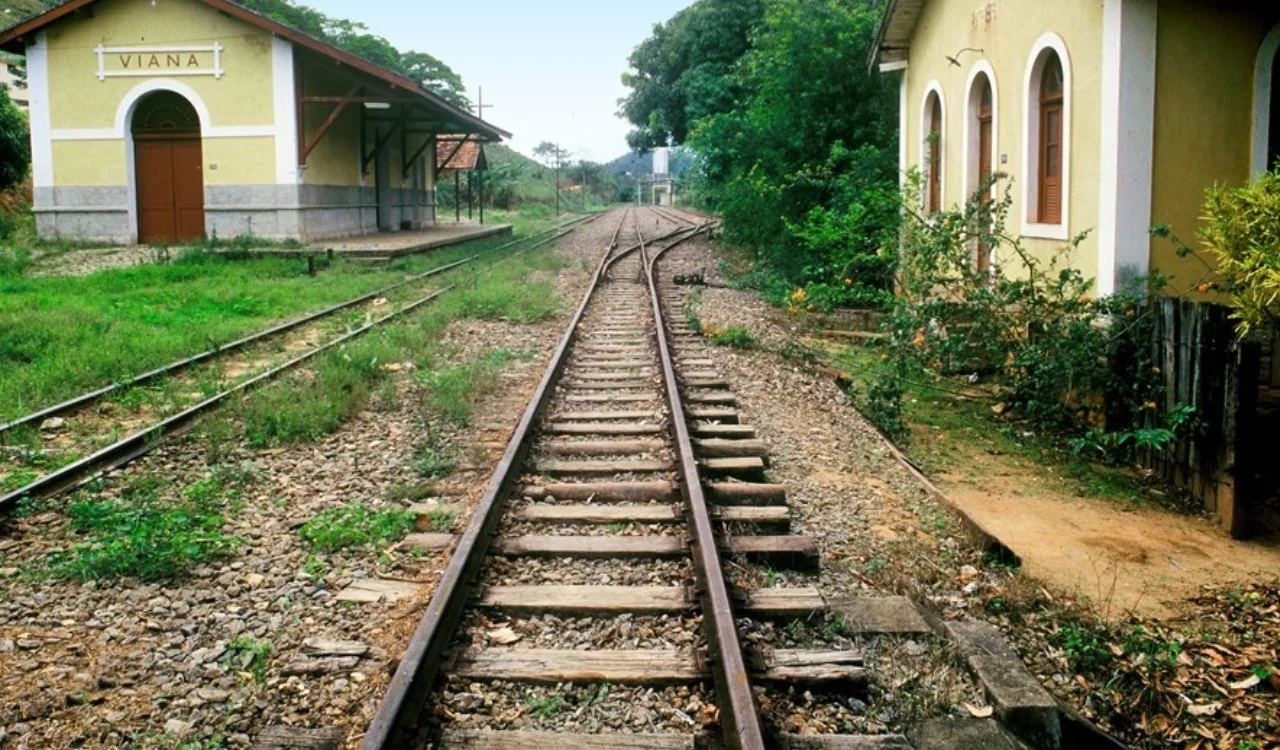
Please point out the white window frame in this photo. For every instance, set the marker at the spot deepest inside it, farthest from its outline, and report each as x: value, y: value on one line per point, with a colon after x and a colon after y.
x: 1048, y: 42
x: 933, y: 88
x: 973, y: 106
x: 1262, y: 84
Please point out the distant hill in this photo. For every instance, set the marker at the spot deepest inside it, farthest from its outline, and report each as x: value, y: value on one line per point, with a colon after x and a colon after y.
x: 637, y: 163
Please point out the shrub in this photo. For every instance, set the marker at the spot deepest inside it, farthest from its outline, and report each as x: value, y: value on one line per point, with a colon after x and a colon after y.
x: 1242, y: 230
x: 357, y: 525
x: 1030, y: 323
x: 735, y: 337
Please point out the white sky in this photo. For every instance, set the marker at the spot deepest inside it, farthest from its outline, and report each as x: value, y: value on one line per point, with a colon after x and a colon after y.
x: 550, y: 68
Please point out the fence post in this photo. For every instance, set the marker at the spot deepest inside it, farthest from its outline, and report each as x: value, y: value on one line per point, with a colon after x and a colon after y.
x: 1244, y: 454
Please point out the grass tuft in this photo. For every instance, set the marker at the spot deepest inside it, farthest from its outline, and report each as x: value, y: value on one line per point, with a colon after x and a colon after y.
x: 357, y: 525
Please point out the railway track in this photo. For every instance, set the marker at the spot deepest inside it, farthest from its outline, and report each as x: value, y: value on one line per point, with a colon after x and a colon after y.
x: 595, y: 561
x: 118, y: 452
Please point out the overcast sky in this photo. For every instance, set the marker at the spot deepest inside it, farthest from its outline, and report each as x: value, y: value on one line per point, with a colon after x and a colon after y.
x: 550, y: 68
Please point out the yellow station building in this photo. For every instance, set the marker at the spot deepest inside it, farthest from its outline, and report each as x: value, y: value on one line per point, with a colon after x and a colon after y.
x: 1108, y: 116
x: 170, y: 120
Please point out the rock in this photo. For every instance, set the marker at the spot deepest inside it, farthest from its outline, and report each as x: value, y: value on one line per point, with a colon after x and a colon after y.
x: 254, y: 579
x: 29, y: 644
x: 177, y: 727
x: 53, y: 423
x: 212, y: 695
x: 6, y: 645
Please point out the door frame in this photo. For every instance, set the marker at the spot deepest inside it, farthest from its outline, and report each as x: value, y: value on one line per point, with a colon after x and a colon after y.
x: 124, y: 125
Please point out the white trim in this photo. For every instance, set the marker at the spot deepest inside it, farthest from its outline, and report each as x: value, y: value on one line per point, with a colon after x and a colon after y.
x: 1128, y: 141
x: 285, y: 112
x: 1031, y: 138
x: 102, y: 52
x: 41, y: 124
x: 889, y: 67
x: 902, y: 131
x: 111, y: 134
x: 935, y: 88
x: 971, y: 132
x: 1262, y: 87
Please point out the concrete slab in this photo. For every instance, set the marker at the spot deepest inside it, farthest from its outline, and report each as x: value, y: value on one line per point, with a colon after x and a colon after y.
x: 881, y: 614
x: 394, y: 244
x: 952, y: 733
x: 1021, y: 702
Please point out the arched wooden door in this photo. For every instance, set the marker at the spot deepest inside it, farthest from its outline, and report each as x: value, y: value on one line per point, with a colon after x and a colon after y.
x: 168, y: 169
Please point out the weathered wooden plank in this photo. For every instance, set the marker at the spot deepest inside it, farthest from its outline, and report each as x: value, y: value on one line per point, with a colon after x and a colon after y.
x: 723, y: 431
x: 597, y: 513
x: 792, y: 657
x: 710, y: 398
x: 880, y: 614
x: 588, y: 600
x: 627, y: 492
x: 712, y: 414
x: 648, y: 667
x: 814, y: 668
x: 626, y: 428
x: 613, y: 466
x: 721, y: 448
x: 612, y: 385
x: 706, y: 383
x: 428, y: 541
x: 743, y: 467
x: 746, y: 493
x: 791, y: 601
x: 376, y: 589
x: 773, y: 516
x: 457, y: 739
x: 283, y: 737
x: 601, y: 447
x: 844, y: 742
x: 604, y: 416
x: 793, y: 551
x: 610, y: 546
x: 609, y: 398
x: 326, y: 647
x: 627, y: 374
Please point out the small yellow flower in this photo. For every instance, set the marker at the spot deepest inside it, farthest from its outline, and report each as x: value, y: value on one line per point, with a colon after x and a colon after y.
x: 1083, y: 299
x: 809, y: 308
x: 799, y: 295
x: 848, y: 282
x: 1149, y: 405
x: 1203, y: 288
x: 919, y: 339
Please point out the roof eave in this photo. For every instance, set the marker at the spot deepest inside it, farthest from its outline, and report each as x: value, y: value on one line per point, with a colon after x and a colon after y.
x: 12, y: 39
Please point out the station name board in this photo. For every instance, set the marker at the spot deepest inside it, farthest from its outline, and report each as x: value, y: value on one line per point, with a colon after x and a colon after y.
x: 159, y: 60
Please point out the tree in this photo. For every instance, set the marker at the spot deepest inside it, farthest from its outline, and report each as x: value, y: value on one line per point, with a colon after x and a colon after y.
x: 685, y: 71
x: 15, y: 143
x: 553, y: 157
x: 1242, y: 230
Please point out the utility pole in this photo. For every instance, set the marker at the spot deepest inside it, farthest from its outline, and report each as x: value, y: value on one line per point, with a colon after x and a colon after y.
x: 480, y: 105
x: 480, y: 108
x: 557, y: 178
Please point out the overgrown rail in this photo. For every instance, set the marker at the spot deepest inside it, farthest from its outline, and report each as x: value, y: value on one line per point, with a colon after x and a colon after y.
x: 145, y: 440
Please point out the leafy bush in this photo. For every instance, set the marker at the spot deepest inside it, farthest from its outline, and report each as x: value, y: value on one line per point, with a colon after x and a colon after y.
x: 15, y: 142
x: 1030, y: 323
x: 357, y: 525
x: 735, y: 337
x: 1242, y: 230
x: 145, y: 534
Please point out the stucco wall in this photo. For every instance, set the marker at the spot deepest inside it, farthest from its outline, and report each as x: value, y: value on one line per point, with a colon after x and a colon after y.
x: 1006, y: 31
x: 1205, y: 59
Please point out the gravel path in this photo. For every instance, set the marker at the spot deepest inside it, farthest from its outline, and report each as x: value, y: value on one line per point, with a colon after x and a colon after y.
x: 119, y: 663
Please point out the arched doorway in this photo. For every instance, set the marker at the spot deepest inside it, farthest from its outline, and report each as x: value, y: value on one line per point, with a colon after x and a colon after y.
x: 168, y: 169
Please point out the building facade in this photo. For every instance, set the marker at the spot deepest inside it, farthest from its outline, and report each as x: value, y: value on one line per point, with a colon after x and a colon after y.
x: 1107, y: 117
x: 157, y: 121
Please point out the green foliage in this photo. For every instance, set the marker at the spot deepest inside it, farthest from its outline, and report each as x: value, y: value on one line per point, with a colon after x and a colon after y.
x: 452, y: 391
x: 1030, y: 323
x: 147, y: 532
x: 734, y: 337
x: 357, y: 525
x: 684, y: 71
x: 1084, y: 647
x: 15, y: 142
x: 1242, y: 230
x: 756, y: 99
x: 354, y: 37
x: 546, y: 705
x: 248, y: 654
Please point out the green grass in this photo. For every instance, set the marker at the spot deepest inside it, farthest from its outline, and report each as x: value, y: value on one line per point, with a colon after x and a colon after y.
x: 441, y: 520
x: 734, y: 337
x: 357, y: 525
x: 248, y: 654
x: 546, y: 706
x: 452, y: 391
x: 949, y: 431
x: 61, y: 336
x: 148, y: 532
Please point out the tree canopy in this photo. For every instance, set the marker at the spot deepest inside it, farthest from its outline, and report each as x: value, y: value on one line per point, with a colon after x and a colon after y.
x: 796, y: 140
x: 15, y: 146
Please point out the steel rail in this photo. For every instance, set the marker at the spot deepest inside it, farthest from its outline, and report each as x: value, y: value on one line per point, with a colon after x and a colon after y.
x: 614, y: 242
x: 420, y: 664
x: 147, y: 439
x: 85, y: 399
x: 738, y: 709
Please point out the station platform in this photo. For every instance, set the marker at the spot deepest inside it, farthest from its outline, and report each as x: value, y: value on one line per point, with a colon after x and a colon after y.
x: 387, y: 245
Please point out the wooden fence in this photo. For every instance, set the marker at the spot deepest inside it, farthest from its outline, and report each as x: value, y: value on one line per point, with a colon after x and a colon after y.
x: 1204, y: 365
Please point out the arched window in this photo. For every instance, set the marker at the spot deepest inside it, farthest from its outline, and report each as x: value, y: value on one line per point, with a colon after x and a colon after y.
x: 980, y: 142
x: 932, y: 124
x: 1047, y: 141
x: 1266, y: 105
x: 1049, y: 210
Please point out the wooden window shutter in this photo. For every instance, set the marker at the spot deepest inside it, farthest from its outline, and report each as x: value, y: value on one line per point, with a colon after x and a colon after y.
x: 935, y: 156
x: 1051, y: 143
